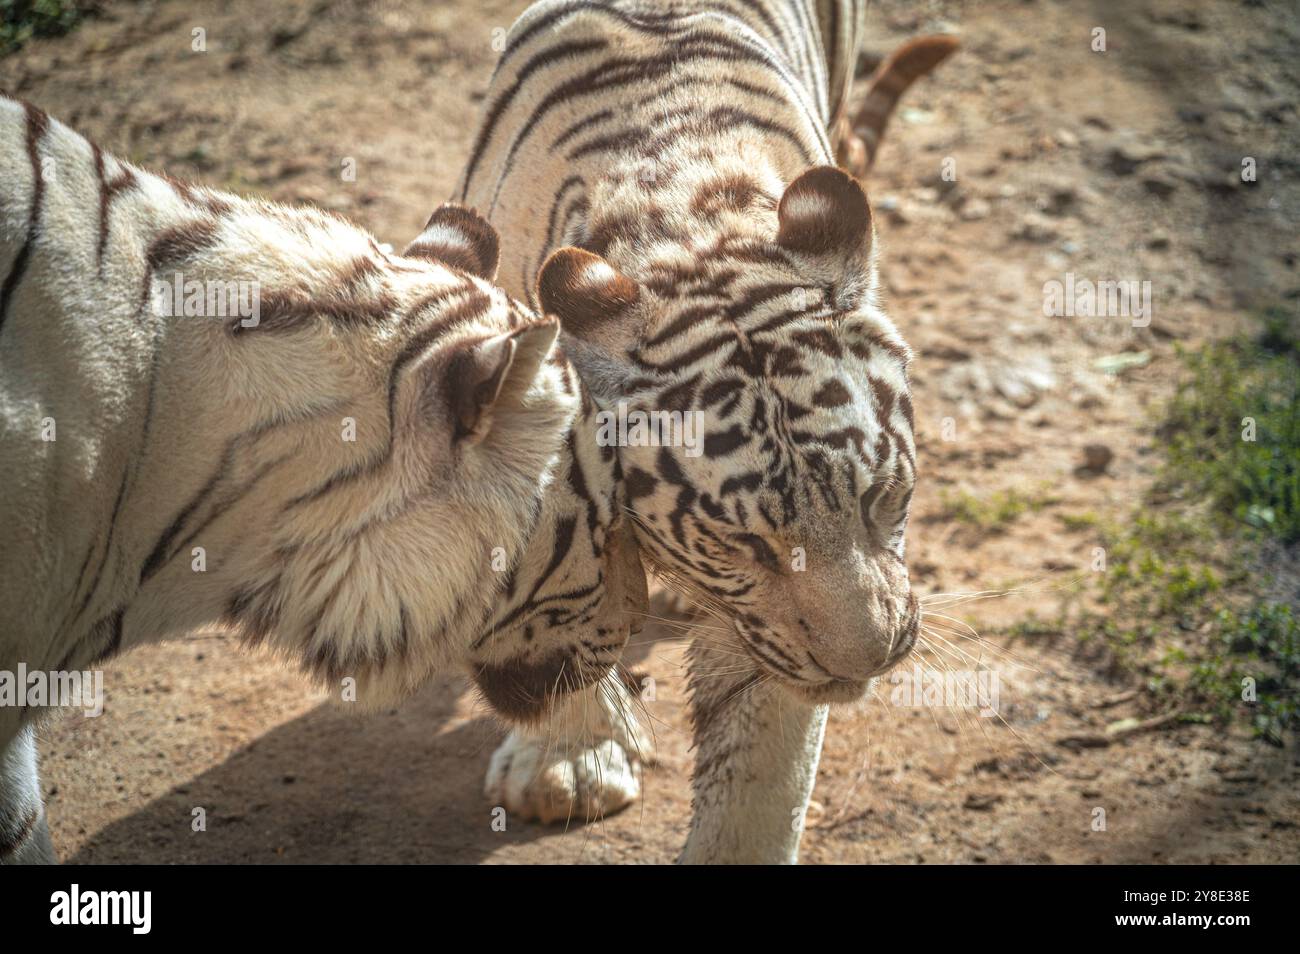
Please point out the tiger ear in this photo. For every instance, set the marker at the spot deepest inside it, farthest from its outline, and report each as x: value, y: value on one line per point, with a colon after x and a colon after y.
x: 593, y: 301
x: 484, y: 376
x: 459, y: 237
x: 590, y: 297
x: 825, y: 212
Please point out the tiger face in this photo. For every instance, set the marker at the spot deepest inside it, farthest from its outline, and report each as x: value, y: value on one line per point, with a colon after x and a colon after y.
x: 787, y: 515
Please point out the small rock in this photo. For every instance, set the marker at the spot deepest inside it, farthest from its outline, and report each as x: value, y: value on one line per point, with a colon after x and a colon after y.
x: 1016, y: 391
x: 945, y: 351
x: 1125, y: 155
x: 975, y: 209
x: 1035, y: 227
x: 1057, y: 196
x: 1159, y: 240
x: 978, y: 802
x: 1022, y: 383
x: 893, y: 208
x: 1159, y: 184
x: 1096, y: 458
x: 1116, y: 364
x: 1038, y: 377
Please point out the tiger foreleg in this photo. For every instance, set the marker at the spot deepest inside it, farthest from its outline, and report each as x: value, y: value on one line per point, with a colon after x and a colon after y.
x: 756, y: 754
x: 581, y: 761
x: 24, y: 832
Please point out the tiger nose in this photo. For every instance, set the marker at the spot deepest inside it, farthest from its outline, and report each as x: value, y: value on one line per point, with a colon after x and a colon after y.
x: 876, y: 649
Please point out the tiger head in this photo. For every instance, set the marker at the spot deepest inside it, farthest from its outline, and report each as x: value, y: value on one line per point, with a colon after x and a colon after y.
x: 578, y: 591
x: 461, y: 521
x: 766, y: 423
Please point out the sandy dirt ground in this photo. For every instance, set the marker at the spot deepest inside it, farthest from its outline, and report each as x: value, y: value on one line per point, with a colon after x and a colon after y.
x: 1115, y: 164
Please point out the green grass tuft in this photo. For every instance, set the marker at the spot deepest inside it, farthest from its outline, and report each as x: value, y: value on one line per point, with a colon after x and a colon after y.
x: 1234, y: 429
x: 995, y: 512
x: 1178, y: 602
x: 1256, y: 663
x: 21, y: 20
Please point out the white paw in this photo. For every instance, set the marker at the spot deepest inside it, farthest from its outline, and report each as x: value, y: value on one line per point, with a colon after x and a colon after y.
x: 535, y: 779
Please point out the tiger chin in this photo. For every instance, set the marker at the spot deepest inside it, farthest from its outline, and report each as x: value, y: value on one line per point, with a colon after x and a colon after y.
x: 363, y: 471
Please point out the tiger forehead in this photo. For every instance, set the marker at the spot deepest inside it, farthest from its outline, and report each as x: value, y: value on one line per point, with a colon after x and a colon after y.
x: 758, y: 297
x: 702, y: 262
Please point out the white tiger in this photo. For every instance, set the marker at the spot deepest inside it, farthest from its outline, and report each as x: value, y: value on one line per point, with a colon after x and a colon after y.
x: 353, y: 465
x: 664, y: 174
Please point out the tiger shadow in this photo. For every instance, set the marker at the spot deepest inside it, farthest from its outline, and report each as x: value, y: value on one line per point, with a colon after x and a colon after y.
x: 404, y: 786
x: 401, y: 786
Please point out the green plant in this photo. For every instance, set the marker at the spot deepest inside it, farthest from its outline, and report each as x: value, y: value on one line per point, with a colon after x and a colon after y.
x: 1233, y: 428
x: 1255, y: 667
x: 20, y: 20
x: 1176, y: 603
x: 995, y: 511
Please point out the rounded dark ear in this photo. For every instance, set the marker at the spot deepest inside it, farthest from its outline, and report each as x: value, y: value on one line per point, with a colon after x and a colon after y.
x: 824, y: 212
x: 588, y: 295
x: 459, y: 237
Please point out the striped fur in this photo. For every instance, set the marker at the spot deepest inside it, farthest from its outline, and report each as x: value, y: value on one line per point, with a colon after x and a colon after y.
x: 364, y: 467
x: 578, y: 590
x: 664, y: 176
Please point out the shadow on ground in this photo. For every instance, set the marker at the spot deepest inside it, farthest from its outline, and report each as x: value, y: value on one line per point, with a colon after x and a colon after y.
x: 359, y: 810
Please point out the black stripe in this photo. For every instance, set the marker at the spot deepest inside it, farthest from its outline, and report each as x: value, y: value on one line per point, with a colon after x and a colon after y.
x: 475, y: 304
x: 657, y: 24
x: 624, y: 71
x: 11, y: 281
x: 108, y: 546
x: 564, y: 532
x: 12, y: 837
x: 547, y: 57
x: 108, y: 633
x: 153, y: 562
x: 37, y: 125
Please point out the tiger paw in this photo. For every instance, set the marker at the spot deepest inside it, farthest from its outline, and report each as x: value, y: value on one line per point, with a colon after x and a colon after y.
x: 534, y: 778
